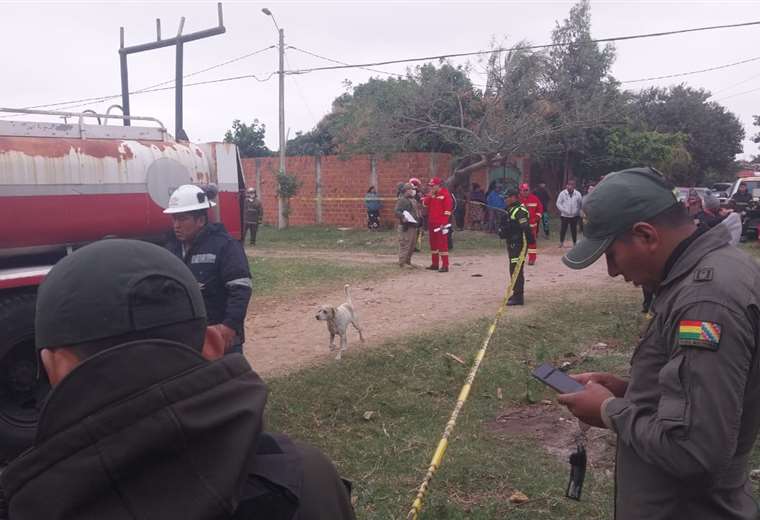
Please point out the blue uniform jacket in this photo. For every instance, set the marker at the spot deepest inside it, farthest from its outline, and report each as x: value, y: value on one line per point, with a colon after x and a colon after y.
x: 219, y: 264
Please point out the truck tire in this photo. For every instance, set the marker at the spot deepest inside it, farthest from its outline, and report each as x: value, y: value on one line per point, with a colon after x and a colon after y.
x: 22, y: 392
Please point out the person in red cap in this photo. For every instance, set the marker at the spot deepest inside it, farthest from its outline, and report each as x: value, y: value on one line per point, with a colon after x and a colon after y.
x: 536, y: 210
x: 439, y: 205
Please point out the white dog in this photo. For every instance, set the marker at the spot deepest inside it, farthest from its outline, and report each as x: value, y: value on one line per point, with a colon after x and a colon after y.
x: 337, y: 319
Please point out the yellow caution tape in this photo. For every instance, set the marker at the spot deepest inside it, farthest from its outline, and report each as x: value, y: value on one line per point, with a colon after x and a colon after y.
x: 440, y: 451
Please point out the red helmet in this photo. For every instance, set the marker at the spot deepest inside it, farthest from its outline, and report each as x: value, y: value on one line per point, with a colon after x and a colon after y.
x: 435, y: 181
x: 524, y: 187
x: 415, y: 181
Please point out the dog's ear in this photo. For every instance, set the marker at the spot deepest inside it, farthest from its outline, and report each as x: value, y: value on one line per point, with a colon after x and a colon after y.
x: 331, y: 313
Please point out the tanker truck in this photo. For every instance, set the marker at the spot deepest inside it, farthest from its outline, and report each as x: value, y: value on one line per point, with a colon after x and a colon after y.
x: 66, y: 183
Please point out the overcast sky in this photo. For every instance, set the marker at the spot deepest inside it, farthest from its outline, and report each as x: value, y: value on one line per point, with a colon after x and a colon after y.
x: 56, y: 51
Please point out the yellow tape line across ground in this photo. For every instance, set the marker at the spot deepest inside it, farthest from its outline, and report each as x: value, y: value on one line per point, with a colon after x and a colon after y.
x: 440, y: 451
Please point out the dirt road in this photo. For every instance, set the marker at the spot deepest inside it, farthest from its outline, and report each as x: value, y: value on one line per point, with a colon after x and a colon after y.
x: 284, y: 335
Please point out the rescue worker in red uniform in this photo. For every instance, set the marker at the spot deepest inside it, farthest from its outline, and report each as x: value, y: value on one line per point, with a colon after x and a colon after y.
x: 439, y: 205
x: 536, y: 211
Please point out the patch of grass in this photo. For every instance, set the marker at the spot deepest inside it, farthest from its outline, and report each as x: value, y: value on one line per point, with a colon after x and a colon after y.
x: 411, y: 386
x: 274, y: 276
x: 385, y: 241
x: 753, y: 248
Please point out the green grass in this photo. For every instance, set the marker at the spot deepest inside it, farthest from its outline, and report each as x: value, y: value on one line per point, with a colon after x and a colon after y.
x: 279, y: 276
x: 385, y: 241
x: 411, y: 387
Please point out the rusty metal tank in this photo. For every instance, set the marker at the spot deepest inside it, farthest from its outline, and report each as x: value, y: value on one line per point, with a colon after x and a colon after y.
x: 62, y: 185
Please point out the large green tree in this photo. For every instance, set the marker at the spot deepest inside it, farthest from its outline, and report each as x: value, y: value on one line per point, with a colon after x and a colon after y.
x: 585, y: 98
x: 714, y: 134
x: 756, y: 137
x: 248, y: 138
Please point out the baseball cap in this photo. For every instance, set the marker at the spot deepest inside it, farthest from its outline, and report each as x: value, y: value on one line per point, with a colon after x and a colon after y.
x: 619, y: 201
x: 435, y: 181
x: 113, y: 287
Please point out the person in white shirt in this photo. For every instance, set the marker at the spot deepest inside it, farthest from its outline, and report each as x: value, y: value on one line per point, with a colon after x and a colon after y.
x: 569, y: 206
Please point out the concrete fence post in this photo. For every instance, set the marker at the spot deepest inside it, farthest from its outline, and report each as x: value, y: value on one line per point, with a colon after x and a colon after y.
x: 318, y: 177
x: 257, y: 175
x: 373, y: 172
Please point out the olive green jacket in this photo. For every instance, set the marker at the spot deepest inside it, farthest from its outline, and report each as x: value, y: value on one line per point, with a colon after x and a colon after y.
x: 691, y: 412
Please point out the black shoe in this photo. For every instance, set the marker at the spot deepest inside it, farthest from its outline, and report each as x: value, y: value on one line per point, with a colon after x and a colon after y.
x: 443, y: 270
x: 516, y: 300
x: 432, y: 268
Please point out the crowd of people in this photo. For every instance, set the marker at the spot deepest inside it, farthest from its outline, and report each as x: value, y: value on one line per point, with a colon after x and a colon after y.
x: 156, y: 413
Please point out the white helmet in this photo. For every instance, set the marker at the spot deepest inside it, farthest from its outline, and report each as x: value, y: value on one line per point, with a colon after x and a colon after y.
x: 188, y: 197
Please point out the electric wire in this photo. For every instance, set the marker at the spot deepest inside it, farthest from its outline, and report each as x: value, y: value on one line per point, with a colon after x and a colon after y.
x: 525, y: 47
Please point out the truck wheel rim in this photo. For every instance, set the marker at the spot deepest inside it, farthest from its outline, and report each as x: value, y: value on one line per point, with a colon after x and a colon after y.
x: 21, y: 392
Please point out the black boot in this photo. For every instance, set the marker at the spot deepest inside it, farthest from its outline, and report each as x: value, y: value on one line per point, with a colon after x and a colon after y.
x: 516, y: 299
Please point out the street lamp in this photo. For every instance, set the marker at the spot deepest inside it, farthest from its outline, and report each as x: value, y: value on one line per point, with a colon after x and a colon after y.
x: 280, y: 215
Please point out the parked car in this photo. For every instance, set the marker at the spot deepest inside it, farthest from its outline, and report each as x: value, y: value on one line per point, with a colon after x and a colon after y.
x: 750, y: 212
x: 721, y: 189
x: 683, y: 193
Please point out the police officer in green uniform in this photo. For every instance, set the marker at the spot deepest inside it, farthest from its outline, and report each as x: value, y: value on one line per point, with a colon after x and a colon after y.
x: 515, y: 228
x: 687, y: 417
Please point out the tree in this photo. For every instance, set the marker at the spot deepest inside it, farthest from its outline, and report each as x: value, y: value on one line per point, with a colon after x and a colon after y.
x: 756, y: 137
x: 248, y: 138
x: 627, y: 148
x: 585, y: 97
x: 714, y: 135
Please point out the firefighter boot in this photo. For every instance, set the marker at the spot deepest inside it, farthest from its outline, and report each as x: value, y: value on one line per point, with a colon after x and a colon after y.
x: 516, y: 299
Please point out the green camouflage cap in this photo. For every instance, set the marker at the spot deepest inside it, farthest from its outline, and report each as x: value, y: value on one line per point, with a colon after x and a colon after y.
x: 619, y: 201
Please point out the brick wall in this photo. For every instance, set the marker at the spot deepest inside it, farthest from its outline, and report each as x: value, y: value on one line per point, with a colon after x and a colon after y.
x: 343, y: 184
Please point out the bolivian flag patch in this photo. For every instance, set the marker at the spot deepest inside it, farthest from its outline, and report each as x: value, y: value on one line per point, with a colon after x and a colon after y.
x: 704, y: 334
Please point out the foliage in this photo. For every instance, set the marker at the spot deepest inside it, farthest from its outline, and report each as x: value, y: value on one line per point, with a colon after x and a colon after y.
x: 627, y: 148
x: 248, y: 138
x: 585, y: 97
x: 287, y: 185
x: 714, y: 133
x: 756, y: 137
x: 318, y: 141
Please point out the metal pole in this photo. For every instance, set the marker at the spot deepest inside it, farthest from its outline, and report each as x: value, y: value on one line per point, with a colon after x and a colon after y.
x: 179, y: 132
x: 281, y: 204
x: 124, y: 80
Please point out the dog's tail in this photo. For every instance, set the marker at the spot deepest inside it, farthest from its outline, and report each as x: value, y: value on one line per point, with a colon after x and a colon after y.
x: 348, y: 295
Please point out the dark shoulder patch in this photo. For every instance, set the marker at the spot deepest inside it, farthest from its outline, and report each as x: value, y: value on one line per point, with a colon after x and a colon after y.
x: 703, y: 274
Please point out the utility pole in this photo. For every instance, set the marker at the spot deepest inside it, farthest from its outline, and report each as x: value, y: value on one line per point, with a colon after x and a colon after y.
x: 179, y: 42
x: 281, y: 223
x: 280, y: 202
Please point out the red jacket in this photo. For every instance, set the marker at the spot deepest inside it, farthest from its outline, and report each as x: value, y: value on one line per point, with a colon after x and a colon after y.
x: 439, y: 208
x: 535, y: 208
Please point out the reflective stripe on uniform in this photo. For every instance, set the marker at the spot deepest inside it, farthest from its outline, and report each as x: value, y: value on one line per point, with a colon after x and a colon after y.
x: 532, y: 251
x: 447, y: 212
x: 514, y: 260
x: 444, y: 253
x: 245, y: 282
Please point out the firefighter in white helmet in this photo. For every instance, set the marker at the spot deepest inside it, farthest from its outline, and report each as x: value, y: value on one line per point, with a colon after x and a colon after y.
x: 216, y: 259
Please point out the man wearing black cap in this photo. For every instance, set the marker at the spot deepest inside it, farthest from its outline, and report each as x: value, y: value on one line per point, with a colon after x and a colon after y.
x: 687, y: 418
x: 146, y: 418
x: 515, y: 228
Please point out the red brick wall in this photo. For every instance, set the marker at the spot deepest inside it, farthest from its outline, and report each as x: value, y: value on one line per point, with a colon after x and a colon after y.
x: 344, y: 183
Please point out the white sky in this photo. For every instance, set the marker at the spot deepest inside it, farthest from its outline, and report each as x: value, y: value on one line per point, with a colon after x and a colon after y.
x: 57, y: 51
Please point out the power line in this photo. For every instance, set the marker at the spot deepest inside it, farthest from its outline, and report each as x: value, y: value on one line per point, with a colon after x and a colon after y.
x: 525, y: 47
x: 737, y: 94
x: 342, y: 62
x: 736, y: 84
x: 680, y: 74
x: 154, y: 87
